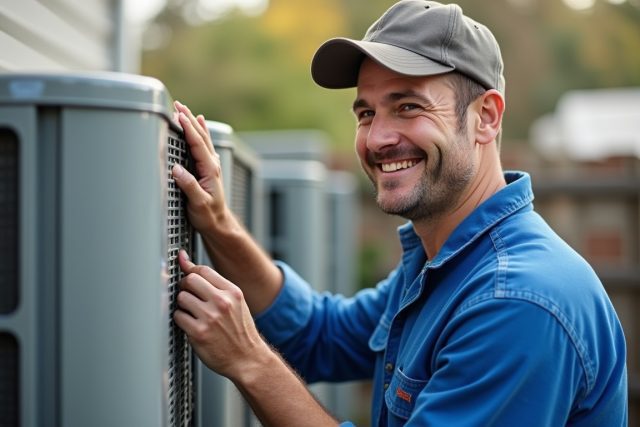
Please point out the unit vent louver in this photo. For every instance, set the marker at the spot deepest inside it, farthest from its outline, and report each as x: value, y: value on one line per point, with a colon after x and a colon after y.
x: 8, y: 221
x: 241, y: 197
x: 9, y: 379
x: 9, y: 391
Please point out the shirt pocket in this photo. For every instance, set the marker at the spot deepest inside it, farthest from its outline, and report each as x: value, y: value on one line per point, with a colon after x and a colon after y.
x: 402, y: 393
x: 380, y: 335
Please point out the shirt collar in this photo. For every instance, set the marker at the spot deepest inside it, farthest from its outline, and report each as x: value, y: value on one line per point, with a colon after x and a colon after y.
x: 516, y: 195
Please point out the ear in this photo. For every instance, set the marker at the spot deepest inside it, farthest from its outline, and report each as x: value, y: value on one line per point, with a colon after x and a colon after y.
x: 490, y: 110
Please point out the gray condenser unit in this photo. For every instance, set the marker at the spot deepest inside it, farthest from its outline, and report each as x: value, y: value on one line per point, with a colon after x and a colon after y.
x: 241, y: 176
x: 91, y: 223
x: 311, y: 222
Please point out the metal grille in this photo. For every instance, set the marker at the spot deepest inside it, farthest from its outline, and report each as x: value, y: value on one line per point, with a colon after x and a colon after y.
x: 241, y: 193
x: 179, y: 235
x: 8, y: 221
x: 9, y: 392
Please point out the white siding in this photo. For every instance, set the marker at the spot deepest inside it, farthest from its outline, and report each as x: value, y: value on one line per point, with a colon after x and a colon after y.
x: 61, y: 35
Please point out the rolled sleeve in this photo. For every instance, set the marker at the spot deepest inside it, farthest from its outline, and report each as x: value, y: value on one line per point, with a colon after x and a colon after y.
x: 290, y: 311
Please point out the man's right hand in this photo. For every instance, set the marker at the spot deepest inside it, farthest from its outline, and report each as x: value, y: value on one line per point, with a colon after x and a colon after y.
x: 206, y: 205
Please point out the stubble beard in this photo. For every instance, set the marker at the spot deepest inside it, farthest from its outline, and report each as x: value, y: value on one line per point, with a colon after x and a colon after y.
x: 437, y: 192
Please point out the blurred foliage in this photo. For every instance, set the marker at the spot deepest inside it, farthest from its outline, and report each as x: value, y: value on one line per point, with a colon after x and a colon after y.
x: 253, y: 71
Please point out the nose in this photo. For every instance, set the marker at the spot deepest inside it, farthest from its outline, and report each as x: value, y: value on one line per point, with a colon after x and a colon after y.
x: 382, y: 134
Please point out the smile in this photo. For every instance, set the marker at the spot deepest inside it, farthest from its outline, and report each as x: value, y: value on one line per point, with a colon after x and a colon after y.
x: 395, y: 166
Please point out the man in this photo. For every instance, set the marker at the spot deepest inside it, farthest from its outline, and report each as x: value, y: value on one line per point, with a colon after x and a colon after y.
x: 489, y: 319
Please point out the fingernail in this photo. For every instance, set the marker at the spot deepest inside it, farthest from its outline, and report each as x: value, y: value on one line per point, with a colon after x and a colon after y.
x: 177, y: 170
x: 185, y: 254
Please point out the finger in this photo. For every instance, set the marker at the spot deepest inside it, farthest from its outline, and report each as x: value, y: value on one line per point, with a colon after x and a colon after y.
x: 191, y: 304
x: 183, y: 109
x: 200, y: 147
x: 185, y: 262
x: 207, y: 273
x: 201, y: 120
x: 198, y: 286
x: 185, y: 321
x: 188, y: 184
x: 202, y: 131
x: 213, y: 277
x: 203, y: 123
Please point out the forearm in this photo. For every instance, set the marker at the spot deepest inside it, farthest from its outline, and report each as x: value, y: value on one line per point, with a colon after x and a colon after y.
x: 278, y: 396
x: 213, y: 313
x: 239, y: 258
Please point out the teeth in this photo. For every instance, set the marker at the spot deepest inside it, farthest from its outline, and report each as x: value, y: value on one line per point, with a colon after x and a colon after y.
x: 392, y: 167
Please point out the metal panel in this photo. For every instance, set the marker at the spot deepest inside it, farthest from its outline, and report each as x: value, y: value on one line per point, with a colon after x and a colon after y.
x: 112, y: 307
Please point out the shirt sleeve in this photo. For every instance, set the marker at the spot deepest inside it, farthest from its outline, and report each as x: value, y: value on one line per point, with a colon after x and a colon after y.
x: 498, y: 363
x: 323, y: 336
x: 290, y: 311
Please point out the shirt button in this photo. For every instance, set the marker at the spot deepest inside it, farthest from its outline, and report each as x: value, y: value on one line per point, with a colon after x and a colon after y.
x: 388, y: 367
x: 386, y: 386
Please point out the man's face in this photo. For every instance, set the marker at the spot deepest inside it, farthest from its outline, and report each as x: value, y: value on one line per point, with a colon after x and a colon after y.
x: 408, y: 142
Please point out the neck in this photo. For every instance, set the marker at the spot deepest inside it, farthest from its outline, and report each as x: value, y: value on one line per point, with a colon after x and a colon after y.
x: 435, y: 231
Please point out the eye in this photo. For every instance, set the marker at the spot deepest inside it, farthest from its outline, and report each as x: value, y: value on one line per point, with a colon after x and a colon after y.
x: 408, y: 107
x: 364, y: 116
x: 409, y: 110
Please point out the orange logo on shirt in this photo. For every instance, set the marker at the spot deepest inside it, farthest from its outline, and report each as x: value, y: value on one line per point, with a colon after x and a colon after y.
x: 403, y: 395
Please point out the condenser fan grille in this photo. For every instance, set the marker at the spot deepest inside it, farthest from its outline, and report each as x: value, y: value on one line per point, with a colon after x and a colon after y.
x: 180, y: 236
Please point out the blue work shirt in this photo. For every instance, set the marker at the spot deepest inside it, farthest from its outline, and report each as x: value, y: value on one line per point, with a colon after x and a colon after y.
x: 506, y: 326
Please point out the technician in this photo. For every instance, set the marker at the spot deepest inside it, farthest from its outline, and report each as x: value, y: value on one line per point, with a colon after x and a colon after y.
x: 489, y: 318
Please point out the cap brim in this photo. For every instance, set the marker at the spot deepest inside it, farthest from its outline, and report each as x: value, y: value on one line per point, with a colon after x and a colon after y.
x: 336, y: 63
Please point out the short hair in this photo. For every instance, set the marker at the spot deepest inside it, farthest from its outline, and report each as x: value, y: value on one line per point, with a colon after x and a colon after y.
x: 466, y: 91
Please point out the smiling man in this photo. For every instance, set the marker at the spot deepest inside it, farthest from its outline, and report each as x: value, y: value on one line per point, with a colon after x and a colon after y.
x: 489, y: 319
x: 426, y: 159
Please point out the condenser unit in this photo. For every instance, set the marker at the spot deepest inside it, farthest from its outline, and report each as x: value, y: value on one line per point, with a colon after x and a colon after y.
x: 311, y: 210
x: 310, y: 222
x: 91, y: 224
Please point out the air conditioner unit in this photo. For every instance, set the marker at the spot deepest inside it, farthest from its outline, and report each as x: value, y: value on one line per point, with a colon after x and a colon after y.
x: 91, y: 223
x: 297, y: 216
x: 311, y: 222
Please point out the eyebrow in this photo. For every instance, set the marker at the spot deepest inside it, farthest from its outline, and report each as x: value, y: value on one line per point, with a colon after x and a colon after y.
x: 394, y: 97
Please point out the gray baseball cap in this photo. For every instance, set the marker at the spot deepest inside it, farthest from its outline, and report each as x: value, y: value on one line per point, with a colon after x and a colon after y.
x: 415, y: 38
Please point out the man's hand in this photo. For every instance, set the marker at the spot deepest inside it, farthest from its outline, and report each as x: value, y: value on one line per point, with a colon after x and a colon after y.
x: 214, y: 315
x: 229, y: 246
x: 206, y: 203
